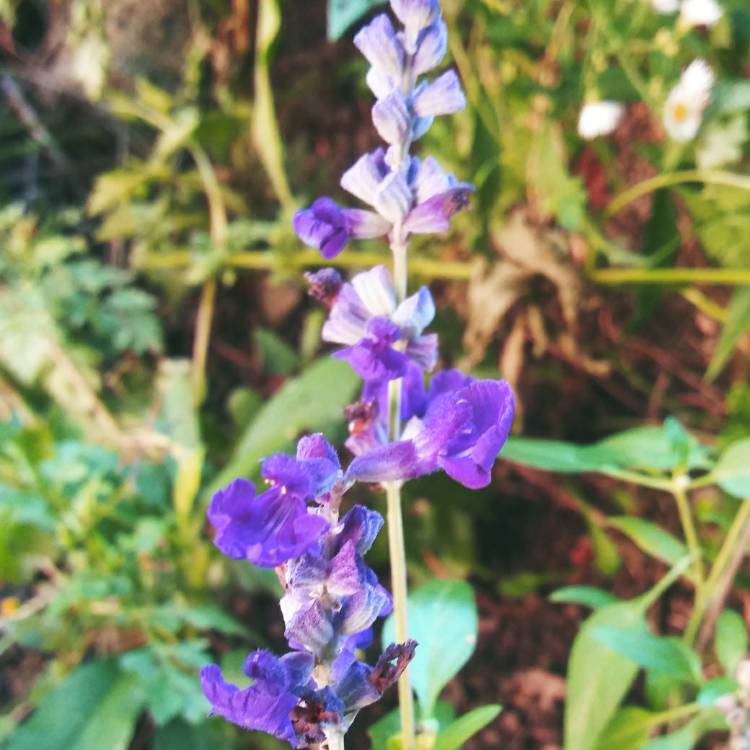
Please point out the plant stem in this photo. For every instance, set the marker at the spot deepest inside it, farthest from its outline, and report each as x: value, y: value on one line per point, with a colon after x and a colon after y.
x: 666, y: 276
x: 707, y: 176
x: 721, y: 576
x: 396, y: 545
x: 691, y: 537
x: 202, y: 337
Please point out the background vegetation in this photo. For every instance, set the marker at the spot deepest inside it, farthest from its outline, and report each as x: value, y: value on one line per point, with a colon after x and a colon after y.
x: 156, y: 341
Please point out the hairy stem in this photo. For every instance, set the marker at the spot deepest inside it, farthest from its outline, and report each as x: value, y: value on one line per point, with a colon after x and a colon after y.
x: 396, y: 546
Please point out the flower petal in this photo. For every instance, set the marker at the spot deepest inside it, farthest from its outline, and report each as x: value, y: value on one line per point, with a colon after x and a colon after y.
x: 379, y: 44
x: 443, y: 96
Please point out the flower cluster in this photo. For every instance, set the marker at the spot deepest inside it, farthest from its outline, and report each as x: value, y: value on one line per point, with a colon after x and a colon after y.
x: 405, y: 195
x: 331, y: 599
x: 457, y: 424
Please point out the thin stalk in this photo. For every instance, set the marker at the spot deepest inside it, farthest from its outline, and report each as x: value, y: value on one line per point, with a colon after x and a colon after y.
x: 706, y: 176
x: 723, y: 570
x: 691, y: 538
x: 203, y: 324
x: 396, y: 545
x: 666, y: 276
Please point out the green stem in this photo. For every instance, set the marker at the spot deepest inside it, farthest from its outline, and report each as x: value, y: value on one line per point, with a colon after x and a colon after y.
x: 396, y: 545
x: 691, y: 537
x: 707, y: 176
x: 202, y: 338
x: 723, y: 570
x: 617, y: 276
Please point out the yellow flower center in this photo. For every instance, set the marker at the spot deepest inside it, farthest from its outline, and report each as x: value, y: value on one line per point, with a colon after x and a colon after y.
x: 680, y: 112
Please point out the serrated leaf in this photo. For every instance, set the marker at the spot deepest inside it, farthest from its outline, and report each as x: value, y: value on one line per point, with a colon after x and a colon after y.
x: 95, y: 707
x: 650, y: 538
x: 730, y: 640
x: 464, y: 728
x: 443, y: 620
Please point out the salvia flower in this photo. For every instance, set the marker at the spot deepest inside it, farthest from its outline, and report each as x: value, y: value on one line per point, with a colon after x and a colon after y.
x: 406, y: 196
x: 459, y: 426
x: 683, y: 110
x: 380, y: 336
x: 331, y: 599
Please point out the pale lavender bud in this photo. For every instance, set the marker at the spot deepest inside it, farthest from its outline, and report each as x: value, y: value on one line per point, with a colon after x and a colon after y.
x: 415, y: 15
x: 431, y: 47
x: 393, y: 197
x: 381, y: 47
x: 380, y: 83
x: 443, y: 96
x: 364, y: 176
x: 392, y: 119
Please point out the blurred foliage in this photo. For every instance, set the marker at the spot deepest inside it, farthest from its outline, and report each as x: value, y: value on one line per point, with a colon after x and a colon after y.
x: 146, y: 357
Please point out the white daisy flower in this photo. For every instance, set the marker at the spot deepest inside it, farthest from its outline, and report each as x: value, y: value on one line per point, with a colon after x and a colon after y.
x: 700, y: 13
x: 599, y: 118
x: 683, y: 110
x: 665, y: 6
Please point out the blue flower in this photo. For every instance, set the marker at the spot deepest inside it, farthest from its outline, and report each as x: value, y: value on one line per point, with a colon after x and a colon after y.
x: 328, y: 227
x: 367, y: 319
x: 266, y: 529
x: 463, y: 428
x: 268, y: 703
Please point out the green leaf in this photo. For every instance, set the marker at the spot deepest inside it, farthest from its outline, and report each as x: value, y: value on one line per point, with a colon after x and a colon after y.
x: 586, y: 596
x: 179, y: 735
x: 385, y: 730
x: 598, y: 677
x: 313, y: 401
x: 732, y: 471
x: 466, y: 727
x: 652, y: 539
x: 731, y: 639
x: 737, y: 323
x: 665, y: 655
x: 730, y: 97
x: 277, y: 356
x: 629, y: 730
x: 443, y: 621
x: 651, y: 447
x: 686, y: 737
x: 343, y: 13
x: 714, y: 689
x: 95, y: 707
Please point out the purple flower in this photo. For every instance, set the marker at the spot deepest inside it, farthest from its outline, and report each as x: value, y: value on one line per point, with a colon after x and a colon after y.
x: 465, y: 424
x: 266, y: 529
x: 328, y: 226
x: 268, y: 703
x: 367, y: 319
x: 432, y: 45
